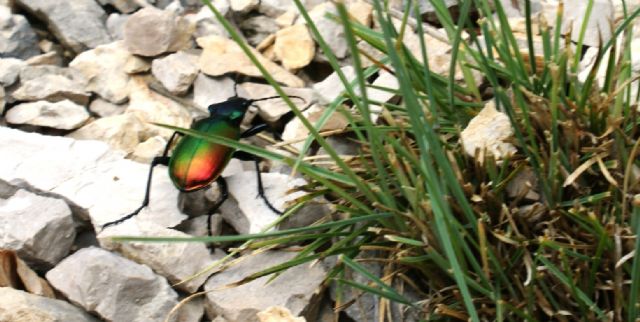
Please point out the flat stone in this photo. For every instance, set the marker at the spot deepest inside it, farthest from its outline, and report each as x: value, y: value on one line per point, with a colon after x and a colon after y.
x: 294, y: 47
x: 81, y: 170
x: 105, y: 108
x: 278, y: 314
x: 63, y: 115
x: 361, y: 11
x: 176, y: 72
x: 331, y: 87
x: 16, y: 273
x: 243, y: 6
x: 48, y: 58
x: 113, y: 287
x: 124, y: 6
x: 152, y: 147
x: 221, y: 56
x: 296, y: 288
x: 490, y: 130
x: 115, y: 25
x: 51, y: 86
x: 150, y: 32
x: 20, y: 306
x: 9, y: 70
x: 598, y: 25
x: 40, y: 229
x: 78, y: 24
x: 331, y: 31
x: 3, y: 101
x: 287, y: 19
x: 208, y: 90
x: 296, y: 132
x: 205, y: 21
x: 258, y: 28
x: 123, y: 132
x: 106, y: 68
x: 271, y: 110
x: 17, y: 39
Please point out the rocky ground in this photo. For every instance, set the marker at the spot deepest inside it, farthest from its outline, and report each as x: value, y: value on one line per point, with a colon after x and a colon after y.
x: 76, y: 140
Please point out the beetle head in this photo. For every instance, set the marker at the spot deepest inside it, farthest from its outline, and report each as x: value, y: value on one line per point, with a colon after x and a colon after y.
x: 233, y: 108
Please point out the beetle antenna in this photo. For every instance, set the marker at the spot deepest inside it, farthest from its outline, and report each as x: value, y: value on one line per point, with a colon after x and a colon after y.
x: 272, y: 97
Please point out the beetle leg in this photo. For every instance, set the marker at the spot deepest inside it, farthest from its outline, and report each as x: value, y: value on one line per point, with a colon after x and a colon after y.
x: 254, y: 130
x: 244, y: 156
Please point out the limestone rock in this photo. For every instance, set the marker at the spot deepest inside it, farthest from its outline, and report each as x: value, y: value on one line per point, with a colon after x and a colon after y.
x: 489, y: 130
x: 176, y: 72
x: 271, y: 110
x: 17, y: 39
x: 361, y: 11
x: 9, y: 70
x: 48, y: 58
x: 52, y: 87
x: 115, y: 288
x: 208, y: 90
x: 294, y: 47
x: 243, y: 6
x: 63, y: 115
x: 278, y: 314
x: 331, y: 87
x: 123, y: 132
x: 295, y: 131
x: 151, y: 32
x: 330, y: 30
x: 221, y: 56
x: 19, y: 306
x: 258, y: 28
x: 296, y: 288
x: 124, y: 6
x: 115, y: 25
x: 3, y: 101
x: 150, y: 148
x: 105, y: 108
x: 106, y: 68
x: 79, y: 24
x: 40, y: 229
x: 602, y: 14
x: 205, y: 21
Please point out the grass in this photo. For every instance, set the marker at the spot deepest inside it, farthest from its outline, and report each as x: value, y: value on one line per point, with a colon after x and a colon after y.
x: 441, y: 225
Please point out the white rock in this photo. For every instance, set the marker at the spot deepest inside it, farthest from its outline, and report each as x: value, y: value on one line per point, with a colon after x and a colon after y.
x: 64, y: 115
x: 296, y: 289
x: 40, y: 229
x: 124, y: 6
x: 286, y: 19
x: 489, y: 130
x: 115, y: 288
x: 602, y: 15
x: 123, y: 132
x: 106, y: 68
x: 278, y: 314
x: 384, y: 80
x: 331, y: 31
x: 90, y: 175
x: 221, y: 56
x: 48, y: 58
x: 294, y: 47
x: 3, y: 100
x: 296, y: 132
x: 205, y: 22
x: 243, y: 6
x: 361, y: 11
x: 19, y: 306
x: 9, y: 70
x: 52, y: 87
x: 149, y: 149
x: 105, y: 108
x: 271, y: 110
x: 17, y: 38
x: 115, y: 24
x: 331, y: 87
x: 209, y: 90
x: 151, y: 32
x: 175, y: 261
x: 176, y: 72
x: 255, y: 215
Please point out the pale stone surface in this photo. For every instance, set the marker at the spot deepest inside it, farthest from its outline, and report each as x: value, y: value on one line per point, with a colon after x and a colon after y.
x: 64, y: 115
x: 19, y: 306
x: 296, y: 288
x: 208, y: 90
x: 489, y: 130
x: 53, y: 88
x: 330, y: 30
x: 361, y: 11
x: 294, y: 47
x: 296, y: 131
x: 205, y: 22
x: 113, y: 287
x: 3, y: 101
x: 115, y: 25
x: 151, y: 32
x: 286, y: 19
x: 17, y: 39
x: 123, y: 132
x: 271, y: 110
x: 105, y: 108
x: 602, y: 14
x: 175, y: 261
x: 331, y: 87
x: 145, y: 151
x: 243, y: 6
x: 124, y: 6
x: 221, y: 56
x: 40, y: 229
x: 48, y: 58
x: 9, y: 70
x: 106, y: 68
x: 79, y: 24
x: 176, y: 72
x: 278, y: 314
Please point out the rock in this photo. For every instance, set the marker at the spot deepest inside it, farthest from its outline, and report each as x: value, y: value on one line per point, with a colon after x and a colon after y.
x: 63, y: 115
x: 295, y: 131
x: 206, y: 23
x: 426, y: 8
x: 275, y: 8
x: 255, y: 215
x: 40, y: 229
x: 78, y: 24
x: 88, y: 174
x: 294, y: 47
x: 123, y: 132
x: 176, y: 72
x: 278, y: 314
x: 107, y: 69
x: 17, y: 39
x: 243, y: 6
x: 384, y: 80
x: 3, y: 101
x: 361, y: 11
x: 49, y: 58
x: 197, y: 226
x: 19, y: 306
x: 9, y: 70
x: 115, y: 25
x: 174, y: 261
x: 271, y: 110
x: 192, y: 311
x: 331, y: 31
x: 524, y: 185
x: 51, y: 84
x: 124, y: 6
x: 297, y: 288
x: 150, y: 32
x: 490, y: 130
x: 331, y: 87
x: 105, y: 108
x: 286, y: 19
x: 15, y: 273
x: 113, y: 287
x: 598, y: 26
x: 258, y: 28
x: 145, y: 151
x: 208, y: 90
x: 221, y: 56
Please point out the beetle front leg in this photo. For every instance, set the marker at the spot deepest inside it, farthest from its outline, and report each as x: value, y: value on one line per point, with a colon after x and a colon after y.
x: 244, y: 156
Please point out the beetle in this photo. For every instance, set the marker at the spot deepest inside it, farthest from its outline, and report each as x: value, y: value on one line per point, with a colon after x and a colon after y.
x: 195, y: 163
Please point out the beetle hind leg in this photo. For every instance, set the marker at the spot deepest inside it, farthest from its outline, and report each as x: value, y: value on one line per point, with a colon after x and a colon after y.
x: 244, y: 156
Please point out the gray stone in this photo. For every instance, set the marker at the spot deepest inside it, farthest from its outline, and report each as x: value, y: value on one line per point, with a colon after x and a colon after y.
x: 107, y: 69
x: 123, y: 132
x: 243, y: 6
x: 296, y: 288
x: 63, y: 115
x: 115, y: 25
x: 271, y: 110
x: 81, y: 170
x: 48, y: 58
x: 3, y: 101
x: 152, y: 147
x: 598, y: 26
x: 79, y: 24
x: 176, y: 72
x: 208, y: 90
x: 17, y: 39
x: 275, y: 8
x: 206, y: 23
x: 40, y: 229
x: 331, y: 87
x: 105, y: 108
x: 151, y: 32
x: 258, y: 28
x: 115, y: 288
x: 296, y: 133
x: 20, y: 306
x: 51, y: 83
x: 124, y: 6
x: 175, y: 261
x: 330, y: 30
x: 9, y: 70
x: 426, y: 8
